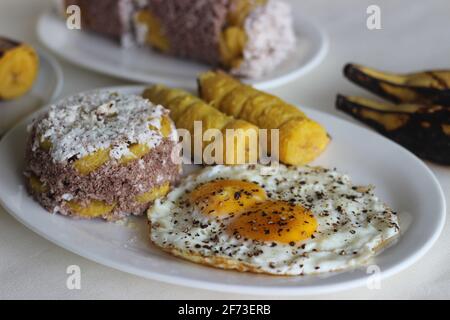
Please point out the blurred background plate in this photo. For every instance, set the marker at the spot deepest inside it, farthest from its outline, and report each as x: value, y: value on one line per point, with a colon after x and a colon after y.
x: 100, y: 54
x: 46, y: 87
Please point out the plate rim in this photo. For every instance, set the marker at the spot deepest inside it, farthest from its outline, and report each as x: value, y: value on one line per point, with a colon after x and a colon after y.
x: 246, y: 289
x: 57, y: 69
x: 321, y: 38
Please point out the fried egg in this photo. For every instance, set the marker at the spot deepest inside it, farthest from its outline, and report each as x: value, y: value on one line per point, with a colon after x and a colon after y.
x: 298, y: 221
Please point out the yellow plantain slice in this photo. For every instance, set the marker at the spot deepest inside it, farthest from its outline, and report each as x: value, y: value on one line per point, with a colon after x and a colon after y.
x: 137, y: 151
x: 95, y: 208
x: 19, y: 64
x: 92, y: 162
x: 153, y: 194
x: 36, y: 184
x: 155, y: 34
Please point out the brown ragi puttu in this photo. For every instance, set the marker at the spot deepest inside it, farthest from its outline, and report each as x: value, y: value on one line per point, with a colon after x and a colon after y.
x: 101, y: 154
x: 112, y: 18
x: 246, y: 37
x: 192, y: 27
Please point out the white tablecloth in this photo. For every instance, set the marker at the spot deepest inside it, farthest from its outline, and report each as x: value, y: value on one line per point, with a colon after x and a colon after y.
x: 414, y: 35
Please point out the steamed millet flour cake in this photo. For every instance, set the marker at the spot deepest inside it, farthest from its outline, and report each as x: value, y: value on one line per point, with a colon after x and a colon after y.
x: 101, y: 154
x: 246, y: 37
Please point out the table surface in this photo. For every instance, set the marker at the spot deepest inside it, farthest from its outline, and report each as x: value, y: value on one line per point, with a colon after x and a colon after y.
x: 414, y: 36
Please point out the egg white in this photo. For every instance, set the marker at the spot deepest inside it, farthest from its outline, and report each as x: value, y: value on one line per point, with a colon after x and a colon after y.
x: 353, y: 224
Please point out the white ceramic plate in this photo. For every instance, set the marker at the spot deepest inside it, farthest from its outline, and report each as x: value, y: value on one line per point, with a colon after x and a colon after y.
x: 46, y: 87
x: 144, y: 65
x: 401, y: 179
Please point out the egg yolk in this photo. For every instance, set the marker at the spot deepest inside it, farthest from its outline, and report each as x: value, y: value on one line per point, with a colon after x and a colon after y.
x: 277, y: 221
x: 226, y: 197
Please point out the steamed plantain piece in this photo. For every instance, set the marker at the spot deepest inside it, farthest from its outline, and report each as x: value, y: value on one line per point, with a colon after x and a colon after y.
x: 153, y: 193
x: 160, y: 95
x: 231, y: 45
x: 301, y: 139
x: 37, y: 185
x: 92, y: 162
x: 92, y: 209
x: 232, y: 104
x: 186, y: 108
x: 155, y: 34
x: 233, y: 37
x: 213, y: 89
x: 427, y: 87
x: 177, y: 98
x: 19, y: 65
x: 179, y: 105
x: 422, y: 129
x: 200, y: 111
x: 269, y: 112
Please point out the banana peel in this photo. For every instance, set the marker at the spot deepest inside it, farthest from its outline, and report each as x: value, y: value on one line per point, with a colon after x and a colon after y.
x: 427, y: 87
x: 423, y: 129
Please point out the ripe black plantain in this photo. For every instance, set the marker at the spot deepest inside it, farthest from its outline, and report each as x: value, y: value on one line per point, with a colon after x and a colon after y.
x: 427, y: 87
x: 423, y: 129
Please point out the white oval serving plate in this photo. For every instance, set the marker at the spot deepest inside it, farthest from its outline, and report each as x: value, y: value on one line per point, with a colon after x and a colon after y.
x: 97, y: 53
x: 401, y: 179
